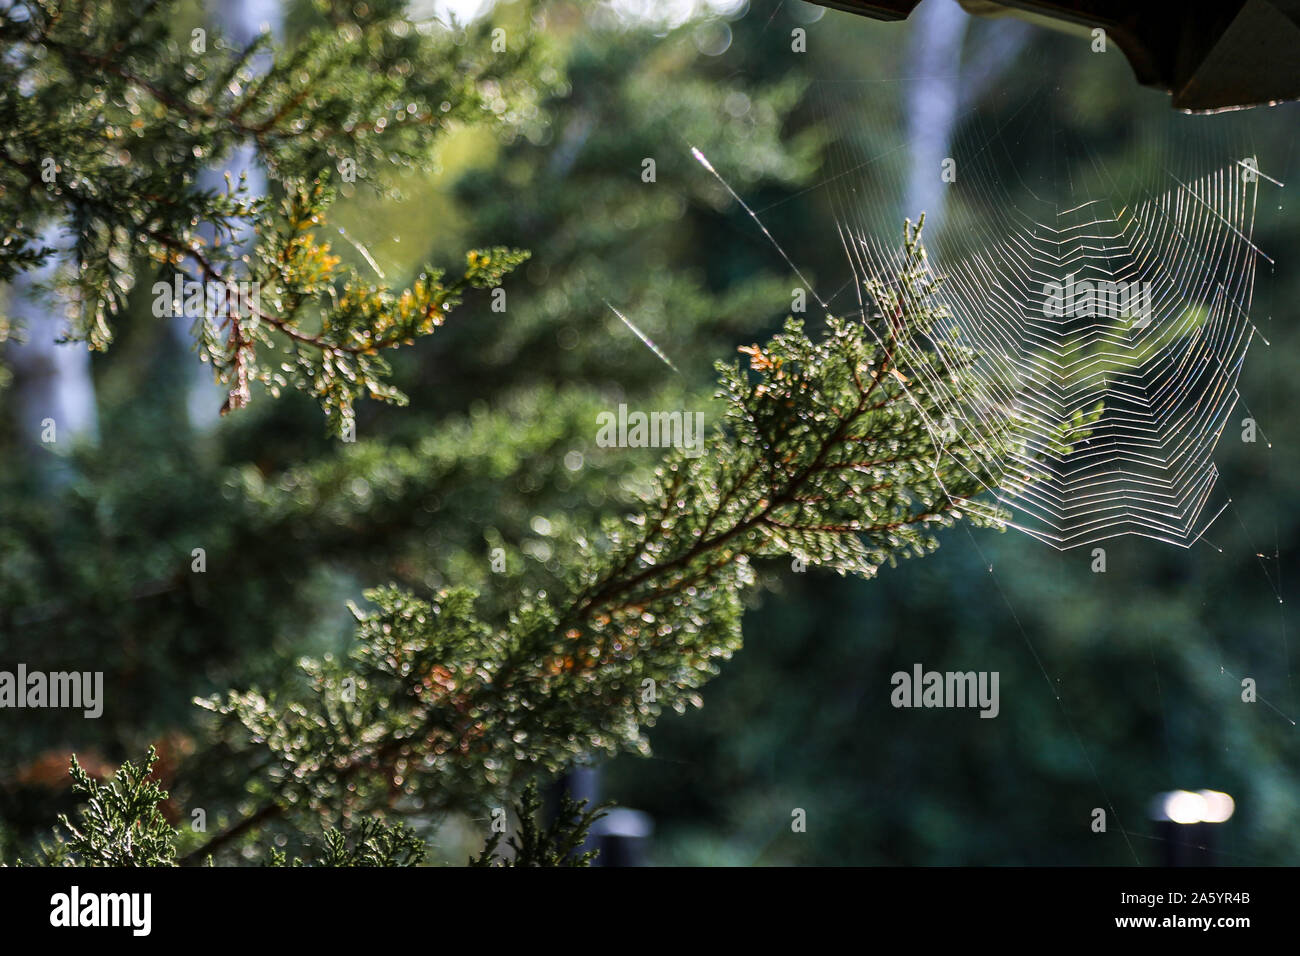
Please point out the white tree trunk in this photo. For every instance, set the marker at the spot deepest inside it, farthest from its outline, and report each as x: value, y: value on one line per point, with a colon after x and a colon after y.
x: 52, y: 382
x: 932, y: 98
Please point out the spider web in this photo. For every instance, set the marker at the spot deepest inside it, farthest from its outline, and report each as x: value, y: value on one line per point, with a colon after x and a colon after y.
x: 1162, y: 375
x: 1114, y: 397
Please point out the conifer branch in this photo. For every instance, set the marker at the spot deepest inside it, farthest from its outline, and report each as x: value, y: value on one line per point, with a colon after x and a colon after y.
x: 824, y: 455
x: 108, y: 170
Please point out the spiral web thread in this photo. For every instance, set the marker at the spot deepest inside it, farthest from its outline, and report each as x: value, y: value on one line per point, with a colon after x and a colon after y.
x: 1164, y: 374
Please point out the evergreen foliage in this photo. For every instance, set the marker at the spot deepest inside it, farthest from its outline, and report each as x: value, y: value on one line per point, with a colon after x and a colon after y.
x: 375, y: 844
x: 449, y: 700
x: 825, y: 455
x: 542, y: 844
x: 105, y: 116
x: 119, y: 824
x: 286, y: 517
